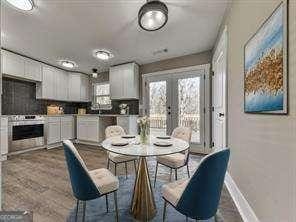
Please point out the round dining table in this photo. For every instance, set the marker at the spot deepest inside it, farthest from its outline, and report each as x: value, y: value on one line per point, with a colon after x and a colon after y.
x: 143, y: 204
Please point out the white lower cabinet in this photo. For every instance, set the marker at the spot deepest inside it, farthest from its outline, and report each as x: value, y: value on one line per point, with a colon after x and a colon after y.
x: 59, y: 128
x: 4, y: 137
x: 90, y: 129
x: 67, y: 128
x: 53, y: 130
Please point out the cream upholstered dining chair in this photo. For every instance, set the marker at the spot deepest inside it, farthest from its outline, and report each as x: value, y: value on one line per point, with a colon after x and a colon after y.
x: 115, y: 158
x: 177, y: 160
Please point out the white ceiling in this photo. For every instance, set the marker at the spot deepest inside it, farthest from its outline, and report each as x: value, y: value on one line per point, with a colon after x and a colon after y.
x: 72, y: 29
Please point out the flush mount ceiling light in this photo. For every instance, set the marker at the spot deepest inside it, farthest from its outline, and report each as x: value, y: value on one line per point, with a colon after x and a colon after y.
x: 153, y: 15
x: 94, y: 73
x: 67, y: 64
x: 25, y: 5
x: 103, y: 54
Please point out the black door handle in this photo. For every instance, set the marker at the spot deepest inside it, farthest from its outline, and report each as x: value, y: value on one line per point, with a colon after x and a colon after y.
x: 221, y: 114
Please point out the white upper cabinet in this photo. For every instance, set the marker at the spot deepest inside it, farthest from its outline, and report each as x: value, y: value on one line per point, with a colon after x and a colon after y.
x: 124, y: 81
x: 12, y: 64
x: 74, y: 87
x: 62, y: 79
x: 84, y: 89
x: 51, y: 83
x: 33, y: 70
x: 79, y: 87
x: 21, y: 67
x: 47, y: 89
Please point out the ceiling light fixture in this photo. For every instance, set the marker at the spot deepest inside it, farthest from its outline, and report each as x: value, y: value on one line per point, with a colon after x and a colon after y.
x: 153, y: 15
x: 103, y: 54
x: 68, y: 64
x: 25, y: 5
x: 94, y: 73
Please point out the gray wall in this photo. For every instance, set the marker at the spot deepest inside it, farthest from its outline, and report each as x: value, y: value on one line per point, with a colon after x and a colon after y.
x: 178, y: 62
x: 173, y: 63
x: 263, y: 147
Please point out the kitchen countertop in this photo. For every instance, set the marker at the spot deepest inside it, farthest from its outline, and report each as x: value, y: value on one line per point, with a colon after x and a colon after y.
x: 99, y: 115
x: 59, y: 115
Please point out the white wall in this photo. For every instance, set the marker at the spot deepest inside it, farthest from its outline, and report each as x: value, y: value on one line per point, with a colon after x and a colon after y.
x: 263, y: 147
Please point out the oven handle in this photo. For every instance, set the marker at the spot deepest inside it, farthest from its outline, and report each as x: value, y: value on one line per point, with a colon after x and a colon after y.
x: 24, y: 123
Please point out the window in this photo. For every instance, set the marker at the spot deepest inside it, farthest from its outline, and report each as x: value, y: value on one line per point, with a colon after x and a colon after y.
x: 101, y: 99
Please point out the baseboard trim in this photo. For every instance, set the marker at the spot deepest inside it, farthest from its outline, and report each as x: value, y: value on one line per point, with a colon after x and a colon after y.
x: 245, y: 210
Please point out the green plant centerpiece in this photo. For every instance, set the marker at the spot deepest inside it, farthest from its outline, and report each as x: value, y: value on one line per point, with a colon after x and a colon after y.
x: 144, y: 129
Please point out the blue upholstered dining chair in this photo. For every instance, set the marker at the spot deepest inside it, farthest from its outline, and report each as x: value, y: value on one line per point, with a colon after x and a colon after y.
x: 198, y: 197
x: 88, y: 185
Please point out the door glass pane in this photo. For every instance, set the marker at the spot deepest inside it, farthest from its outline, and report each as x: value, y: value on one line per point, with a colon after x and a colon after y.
x: 157, y: 108
x: 189, y: 105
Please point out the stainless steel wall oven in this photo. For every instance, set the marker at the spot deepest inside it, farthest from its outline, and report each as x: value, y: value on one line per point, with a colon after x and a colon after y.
x: 25, y: 132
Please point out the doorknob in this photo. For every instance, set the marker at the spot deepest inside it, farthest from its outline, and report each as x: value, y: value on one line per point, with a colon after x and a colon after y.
x: 221, y: 114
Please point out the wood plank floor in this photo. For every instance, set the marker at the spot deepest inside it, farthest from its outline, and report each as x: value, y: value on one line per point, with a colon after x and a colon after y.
x: 38, y: 181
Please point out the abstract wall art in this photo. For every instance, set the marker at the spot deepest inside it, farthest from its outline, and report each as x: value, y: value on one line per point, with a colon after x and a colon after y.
x: 265, y: 66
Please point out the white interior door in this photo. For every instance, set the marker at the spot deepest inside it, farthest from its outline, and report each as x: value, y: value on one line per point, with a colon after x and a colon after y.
x: 175, y: 100
x: 219, y: 136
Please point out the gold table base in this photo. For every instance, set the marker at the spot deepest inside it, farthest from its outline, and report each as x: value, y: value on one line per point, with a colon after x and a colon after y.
x: 143, y: 205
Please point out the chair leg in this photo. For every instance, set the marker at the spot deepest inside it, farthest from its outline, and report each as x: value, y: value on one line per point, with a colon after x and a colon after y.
x: 84, y: 207
x: 155, y: 174
x: 186, y: 219
x: 188, y: 172
x: 116, y: 206
x: 107, y: 204
x: 176, y: 176
x: 77, y: 205
x: 164, y: 210
x: 108, y: 163
x: 135, y: 166
x: 125, y: 170
x: 115, y: 168
x: 171, y: 172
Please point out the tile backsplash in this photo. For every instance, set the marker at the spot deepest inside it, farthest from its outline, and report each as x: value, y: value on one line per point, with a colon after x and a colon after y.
x: 19, y: 98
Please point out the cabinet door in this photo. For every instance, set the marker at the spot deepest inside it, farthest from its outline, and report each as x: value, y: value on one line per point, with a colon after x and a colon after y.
x: 61, y: 81
x: 54, y: 132
x: 82, y: 130
x: 124, y: 81
x: 93, y: 131
x: 67, y: 128
x: 4, y: 135
x: 88, y: 129
x: 74, y: 87
x: 13, y: 64
x: 48, y: 83
x: 84, y: 88
x: 33, y: 70
x: 116, y: 83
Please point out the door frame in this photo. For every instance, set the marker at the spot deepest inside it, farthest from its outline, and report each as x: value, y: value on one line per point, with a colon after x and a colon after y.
x: 222, y: 45
x: 205, y: 68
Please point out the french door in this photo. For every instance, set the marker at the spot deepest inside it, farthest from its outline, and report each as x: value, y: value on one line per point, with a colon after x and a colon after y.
x: 176, y: 99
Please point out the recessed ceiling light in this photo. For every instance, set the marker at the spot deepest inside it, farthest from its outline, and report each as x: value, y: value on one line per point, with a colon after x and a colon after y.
x: 67, y: 64
x: 103, y: 54
x: 153, y: 15
x: 25, y: 5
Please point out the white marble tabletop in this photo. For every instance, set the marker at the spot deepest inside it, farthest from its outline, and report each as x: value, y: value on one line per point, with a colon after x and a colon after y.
x: 141, y: 150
